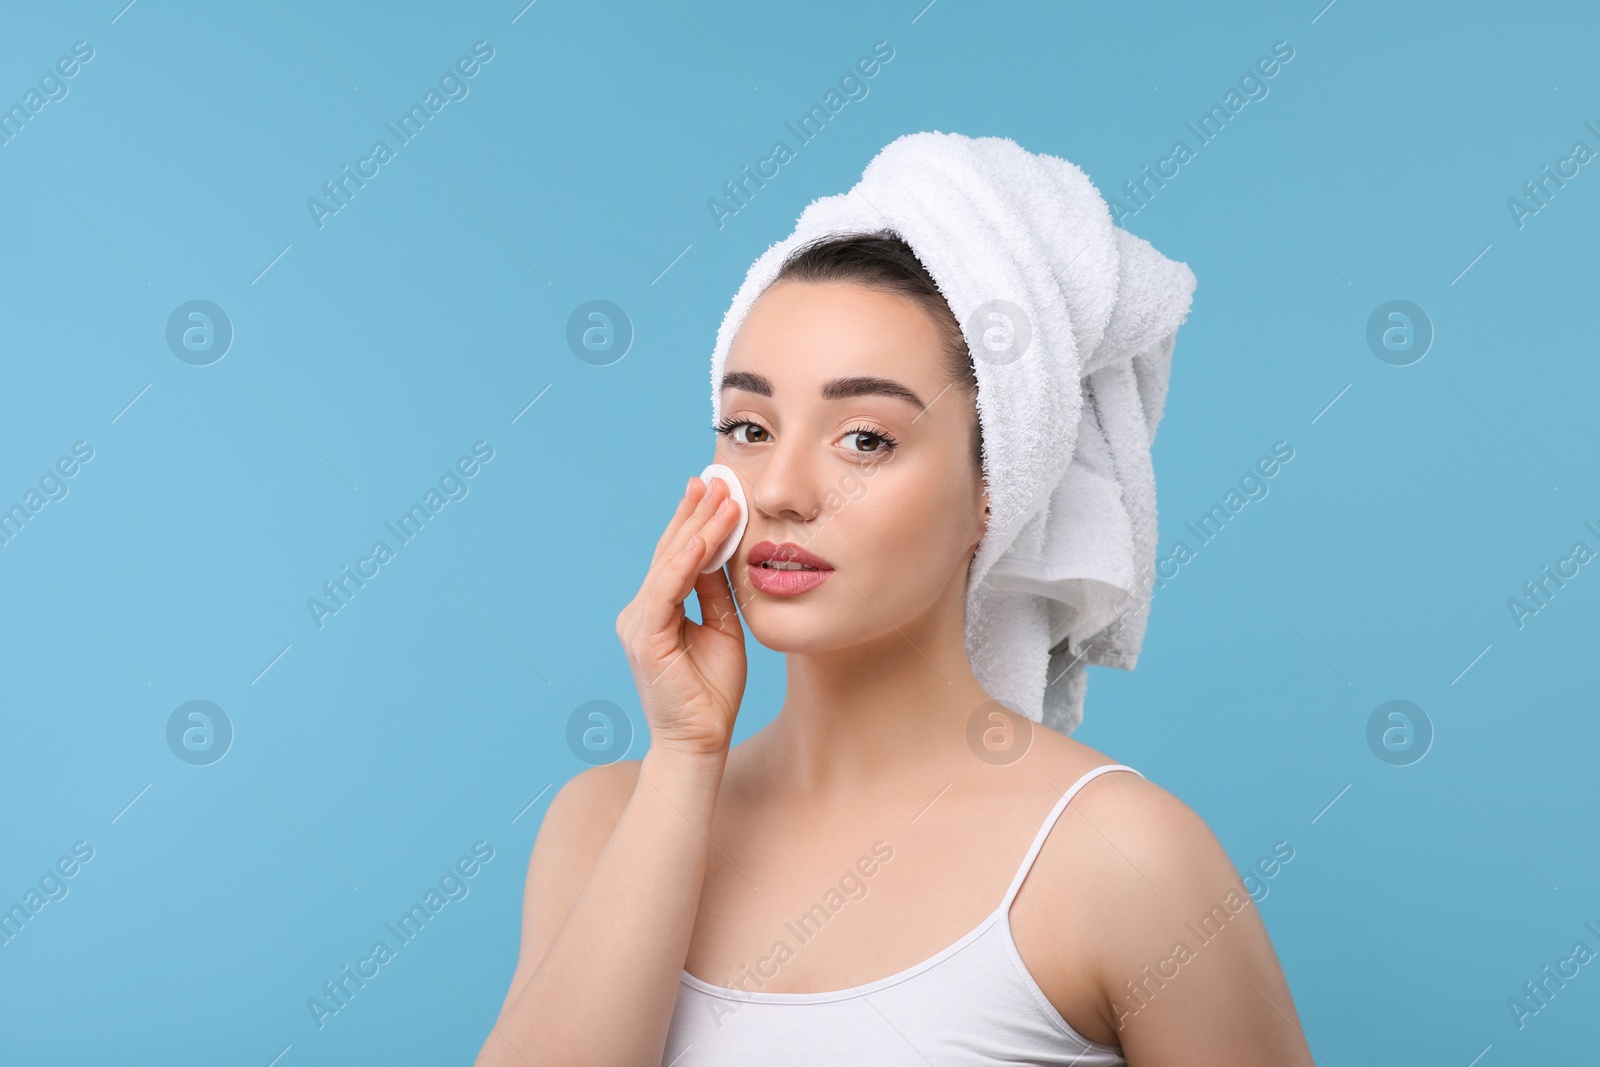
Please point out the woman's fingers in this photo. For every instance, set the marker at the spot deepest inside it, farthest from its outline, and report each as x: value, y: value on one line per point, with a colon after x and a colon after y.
x: 673, y: 578
x: 697, y: 518
x: 693, y: 493
x: 667, y: 586
x: 672, y: 538
x: 717, y: 608
x: 718, y: 605
x: 693, y: 496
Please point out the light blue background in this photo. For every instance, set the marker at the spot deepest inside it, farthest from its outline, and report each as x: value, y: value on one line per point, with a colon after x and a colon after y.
x: 430, y: 311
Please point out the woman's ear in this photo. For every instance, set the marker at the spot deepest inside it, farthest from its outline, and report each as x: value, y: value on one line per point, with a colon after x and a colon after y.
x: 981, y: 522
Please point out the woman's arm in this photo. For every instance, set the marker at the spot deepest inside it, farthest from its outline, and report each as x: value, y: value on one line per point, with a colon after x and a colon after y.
x: 604, y: 936
x: 609, y: 909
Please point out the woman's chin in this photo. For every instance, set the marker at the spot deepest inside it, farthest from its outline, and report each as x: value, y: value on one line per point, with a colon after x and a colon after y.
x: 802, y: 631
x: 820, y: 630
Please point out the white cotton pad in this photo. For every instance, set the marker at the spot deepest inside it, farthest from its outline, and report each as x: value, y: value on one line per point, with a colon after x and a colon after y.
x: 724, y: 551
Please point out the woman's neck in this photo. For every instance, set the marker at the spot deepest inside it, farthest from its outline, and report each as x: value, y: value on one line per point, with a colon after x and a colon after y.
x: 857, y: 720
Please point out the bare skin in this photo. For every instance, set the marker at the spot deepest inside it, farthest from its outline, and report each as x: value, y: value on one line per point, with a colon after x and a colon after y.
x: 695, y: 856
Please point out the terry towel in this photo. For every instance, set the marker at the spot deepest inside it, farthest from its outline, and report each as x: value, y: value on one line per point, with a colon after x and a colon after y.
x: 1071, y: 322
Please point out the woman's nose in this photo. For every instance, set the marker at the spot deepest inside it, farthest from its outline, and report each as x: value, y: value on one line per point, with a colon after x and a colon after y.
x: 783, y: 485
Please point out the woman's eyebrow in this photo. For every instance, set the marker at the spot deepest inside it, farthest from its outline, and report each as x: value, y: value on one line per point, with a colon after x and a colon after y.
x: 866, y: 385
x: 749, y: 381
x: 832, y: 389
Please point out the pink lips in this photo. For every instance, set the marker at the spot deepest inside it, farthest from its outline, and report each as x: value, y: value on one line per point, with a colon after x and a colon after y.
x: 785, y: 582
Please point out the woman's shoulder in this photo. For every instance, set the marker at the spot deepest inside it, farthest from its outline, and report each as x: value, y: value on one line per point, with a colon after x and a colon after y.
x: 1133, y: 891
x: 1137, y: 862
x: 577, y: 823
x: 595, y: 795
x: 1147, y: 824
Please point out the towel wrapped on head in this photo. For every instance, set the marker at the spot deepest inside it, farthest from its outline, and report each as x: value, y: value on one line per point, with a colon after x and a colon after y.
x: 1070, y: 321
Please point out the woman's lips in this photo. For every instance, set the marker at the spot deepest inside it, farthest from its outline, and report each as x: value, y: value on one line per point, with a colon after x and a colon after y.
x: 785, y: 583
x: 801, y: 571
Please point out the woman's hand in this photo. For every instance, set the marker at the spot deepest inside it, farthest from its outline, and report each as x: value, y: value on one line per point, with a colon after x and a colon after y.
x: 690, y: 676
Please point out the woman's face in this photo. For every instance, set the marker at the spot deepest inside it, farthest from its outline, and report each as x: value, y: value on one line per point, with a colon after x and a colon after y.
x: 853, y: 445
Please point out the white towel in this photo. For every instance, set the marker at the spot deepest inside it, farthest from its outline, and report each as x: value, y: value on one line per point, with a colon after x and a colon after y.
x: 1061, y: 578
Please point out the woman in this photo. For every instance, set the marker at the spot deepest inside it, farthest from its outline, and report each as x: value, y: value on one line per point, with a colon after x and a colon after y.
x: 860, y: 882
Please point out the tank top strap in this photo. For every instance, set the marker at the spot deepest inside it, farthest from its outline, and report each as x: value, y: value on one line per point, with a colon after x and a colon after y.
x: 1049, y: 823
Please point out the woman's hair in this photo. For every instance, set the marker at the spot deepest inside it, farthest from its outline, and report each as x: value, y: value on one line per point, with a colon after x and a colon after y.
x: 884, y: 261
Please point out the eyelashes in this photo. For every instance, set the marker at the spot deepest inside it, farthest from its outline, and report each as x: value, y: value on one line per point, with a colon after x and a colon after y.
x: 728, y: 427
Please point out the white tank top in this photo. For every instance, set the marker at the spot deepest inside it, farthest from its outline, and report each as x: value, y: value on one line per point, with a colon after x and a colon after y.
x: 973, y: 1003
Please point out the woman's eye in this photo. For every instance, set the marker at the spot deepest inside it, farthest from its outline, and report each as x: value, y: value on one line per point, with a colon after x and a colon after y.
x: 741, y: 433
x: 865, y: 441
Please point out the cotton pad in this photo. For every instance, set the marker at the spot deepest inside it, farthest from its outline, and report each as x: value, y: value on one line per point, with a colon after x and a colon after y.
x: 724, y: 551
